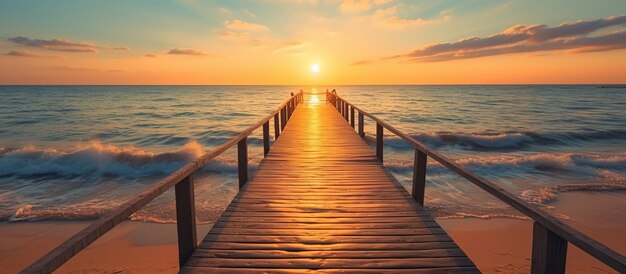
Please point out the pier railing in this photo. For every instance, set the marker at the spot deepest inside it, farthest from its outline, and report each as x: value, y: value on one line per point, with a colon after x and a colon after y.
x: 550, y: 235
x: 182, y: 180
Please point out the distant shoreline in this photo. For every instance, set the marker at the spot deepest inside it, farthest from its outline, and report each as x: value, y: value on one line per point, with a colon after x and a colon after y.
x: 308, y: 85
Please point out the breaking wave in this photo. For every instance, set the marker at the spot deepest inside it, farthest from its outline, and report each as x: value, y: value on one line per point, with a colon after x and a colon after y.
x: 96, y: 160
x: 506, y: 140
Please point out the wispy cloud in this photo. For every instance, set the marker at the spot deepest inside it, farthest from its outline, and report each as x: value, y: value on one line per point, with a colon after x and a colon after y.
x: 244, y: 26
x: 193, y: 52
x: 22, y: 53
x: 122, y: 48
x: 150, y: 55
x: 82, y: 69
x: 288, y: 46
x: 242, y: 37
x: 55, y: 44
x: 573, y: 37
x: 362, y: 62
x: 389, y: 17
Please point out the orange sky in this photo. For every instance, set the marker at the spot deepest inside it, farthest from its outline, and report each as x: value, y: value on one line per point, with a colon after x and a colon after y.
x: 276, y: 42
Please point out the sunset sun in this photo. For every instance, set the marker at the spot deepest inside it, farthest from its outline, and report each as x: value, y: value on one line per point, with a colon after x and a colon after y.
x: 315, y: 68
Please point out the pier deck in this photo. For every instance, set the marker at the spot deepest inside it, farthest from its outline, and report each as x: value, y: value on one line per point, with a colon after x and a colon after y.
x: 321, y: 200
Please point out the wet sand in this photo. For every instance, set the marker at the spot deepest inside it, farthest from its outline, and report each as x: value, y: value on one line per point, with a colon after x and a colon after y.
x: 134, y: 247
x: 495, y: 245
x: 504, y: 245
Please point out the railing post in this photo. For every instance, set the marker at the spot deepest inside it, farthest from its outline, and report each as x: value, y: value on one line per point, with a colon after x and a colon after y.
x: 549, y: 251
x: 345, y: 111
x: 266, y: 138
x: 379, y: 141
x: 283, y: 118
x: 419, y: 176
x: 185, y: 219
x: 361, y: 125
x: 288, y: 109
x: 242, y: 161
x: 352, y: 116
x: 276, y: 127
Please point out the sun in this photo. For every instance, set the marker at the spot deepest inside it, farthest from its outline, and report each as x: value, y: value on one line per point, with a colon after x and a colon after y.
x: 315, y: 68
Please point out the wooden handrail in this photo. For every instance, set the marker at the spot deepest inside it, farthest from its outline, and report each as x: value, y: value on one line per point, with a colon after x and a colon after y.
x: 185, y: 215
x: 550, y: 235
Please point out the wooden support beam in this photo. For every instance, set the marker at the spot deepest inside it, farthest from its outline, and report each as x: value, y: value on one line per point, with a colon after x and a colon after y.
x: 549, y: 251
x: 352, y: 117
x: 419, y: 176
x: 276, y: 127
x: 379, y: 141
x: 283, y: 118
x: 361, y: 124
x: 242, y: 161
x: 266, y: 138
x: 185, y: 219
x: 288, y: 109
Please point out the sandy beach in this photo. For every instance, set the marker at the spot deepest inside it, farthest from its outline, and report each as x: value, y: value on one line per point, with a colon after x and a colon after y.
x: 495, y: 245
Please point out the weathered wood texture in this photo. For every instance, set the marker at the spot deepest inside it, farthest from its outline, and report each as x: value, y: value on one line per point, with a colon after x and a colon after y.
x: 321, y: 200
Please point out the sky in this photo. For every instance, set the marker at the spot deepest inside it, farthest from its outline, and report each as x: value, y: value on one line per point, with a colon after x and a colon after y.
x: 277, y: 42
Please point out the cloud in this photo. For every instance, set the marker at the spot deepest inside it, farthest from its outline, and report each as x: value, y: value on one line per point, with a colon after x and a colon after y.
x: 257, y: 36
x: 242, y: 37
x: 150, y: 55
x: 81, y: 69
x: 244, y: 26
x: 194, y: 52
x: 360, y: 5
x: 288, y: 46
x: 362, y: 62
x: 122, y: 48
x: 22, y: 53
x: 55, y: 44
x: 389, y: 17
x: 573, y: 37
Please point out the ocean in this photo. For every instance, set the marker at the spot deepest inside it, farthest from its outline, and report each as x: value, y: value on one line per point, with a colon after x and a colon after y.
x: 74, y: 152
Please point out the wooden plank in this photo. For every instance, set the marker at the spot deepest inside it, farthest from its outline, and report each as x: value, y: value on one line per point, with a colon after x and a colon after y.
x: 358, y: 254
x: 336, y: 226
x: 247, y: 270
x: 326, y: 247
x: 313, y: 263
x: 327, y: 239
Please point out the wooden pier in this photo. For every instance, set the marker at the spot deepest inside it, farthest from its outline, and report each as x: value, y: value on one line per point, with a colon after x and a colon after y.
x: 322, y: 200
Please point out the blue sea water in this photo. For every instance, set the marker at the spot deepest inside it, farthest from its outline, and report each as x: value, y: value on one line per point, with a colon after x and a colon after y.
x: 74, y: 152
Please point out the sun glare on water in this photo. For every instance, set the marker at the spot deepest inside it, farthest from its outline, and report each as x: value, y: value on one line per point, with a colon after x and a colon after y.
x: 315, y: 68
